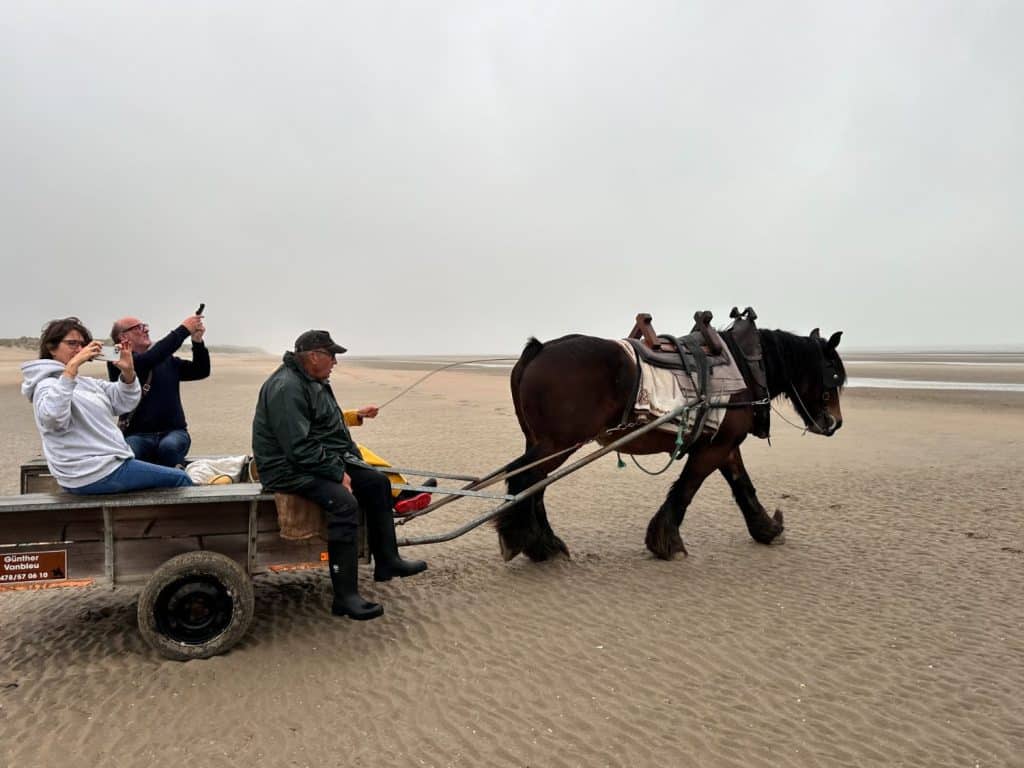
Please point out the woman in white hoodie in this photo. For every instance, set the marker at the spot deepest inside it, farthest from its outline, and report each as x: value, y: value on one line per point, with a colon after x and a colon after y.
x: 77, y: 415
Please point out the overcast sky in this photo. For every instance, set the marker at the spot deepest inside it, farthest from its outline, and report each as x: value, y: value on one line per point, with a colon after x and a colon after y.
x: 453, y: 181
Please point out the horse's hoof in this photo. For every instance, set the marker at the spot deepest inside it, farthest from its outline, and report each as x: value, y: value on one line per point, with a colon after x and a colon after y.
x: 669, y: 553
x: 780, y: 537
x: 562, y: 548
x: 507, y: 553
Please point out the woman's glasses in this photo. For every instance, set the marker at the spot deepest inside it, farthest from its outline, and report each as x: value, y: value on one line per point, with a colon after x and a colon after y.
x: 74, y: 343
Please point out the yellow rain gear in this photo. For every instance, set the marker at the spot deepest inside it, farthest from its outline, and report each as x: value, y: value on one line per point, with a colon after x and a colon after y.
x: 352, y: 419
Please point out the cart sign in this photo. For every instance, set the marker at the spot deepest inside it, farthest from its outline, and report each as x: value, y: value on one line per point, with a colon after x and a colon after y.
x: 29, y: 567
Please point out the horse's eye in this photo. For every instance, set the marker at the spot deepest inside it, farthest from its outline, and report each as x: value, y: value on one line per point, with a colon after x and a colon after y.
x: 827, y: 396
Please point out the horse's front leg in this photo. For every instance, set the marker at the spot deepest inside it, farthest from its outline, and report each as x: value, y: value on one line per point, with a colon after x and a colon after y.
x: 663, y: 538
x: 763, y: 528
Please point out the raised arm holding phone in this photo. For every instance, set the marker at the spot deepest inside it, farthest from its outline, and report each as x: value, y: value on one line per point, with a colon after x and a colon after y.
x: 157, y: 430
x: 77, y: 415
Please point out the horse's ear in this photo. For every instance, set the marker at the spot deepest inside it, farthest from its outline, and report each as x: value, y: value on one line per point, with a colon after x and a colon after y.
x: 815, y: 334
x: 833, y: 340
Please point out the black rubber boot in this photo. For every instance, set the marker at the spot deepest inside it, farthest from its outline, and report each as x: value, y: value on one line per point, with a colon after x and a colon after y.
x: 387, y: 563
x: 344, y: 565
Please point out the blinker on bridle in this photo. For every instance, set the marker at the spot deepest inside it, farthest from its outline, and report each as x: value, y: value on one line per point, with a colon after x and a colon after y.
x: 829, y: 381
x: 829, y: 375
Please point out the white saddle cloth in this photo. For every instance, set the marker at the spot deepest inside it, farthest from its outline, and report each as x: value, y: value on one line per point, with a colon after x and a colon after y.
x: 662, y: 390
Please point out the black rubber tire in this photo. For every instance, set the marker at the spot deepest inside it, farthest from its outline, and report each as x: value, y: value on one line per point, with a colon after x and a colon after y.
x: 195, y: 606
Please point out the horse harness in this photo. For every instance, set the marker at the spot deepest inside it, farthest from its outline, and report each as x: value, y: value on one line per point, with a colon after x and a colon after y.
x: 745, y: 345
x: 695, y: 354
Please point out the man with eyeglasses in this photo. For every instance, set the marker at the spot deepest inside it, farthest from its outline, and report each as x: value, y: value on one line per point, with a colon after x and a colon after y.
x: 156, y: 430
x: 301, y: 445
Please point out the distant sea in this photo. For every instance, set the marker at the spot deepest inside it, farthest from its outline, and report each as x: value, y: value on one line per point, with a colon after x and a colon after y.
x: 979, y: 371
x: 974, y: 386
x: 971, y: 370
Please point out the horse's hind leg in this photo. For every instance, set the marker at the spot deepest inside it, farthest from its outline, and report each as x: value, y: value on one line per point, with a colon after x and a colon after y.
x: 515, y: 525
x: 524, y: 527
x: 545, y: 543
x: 763, y: 528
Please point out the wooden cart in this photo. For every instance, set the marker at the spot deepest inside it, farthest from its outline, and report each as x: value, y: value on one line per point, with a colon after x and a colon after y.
x: 194, y: 550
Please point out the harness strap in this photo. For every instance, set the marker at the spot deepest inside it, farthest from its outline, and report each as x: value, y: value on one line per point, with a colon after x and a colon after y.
x: 700, y: 385
x: 760, y: 398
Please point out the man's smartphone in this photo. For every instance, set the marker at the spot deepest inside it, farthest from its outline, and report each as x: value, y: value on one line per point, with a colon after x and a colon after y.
x: 109, y: 353
x: 201, y: 308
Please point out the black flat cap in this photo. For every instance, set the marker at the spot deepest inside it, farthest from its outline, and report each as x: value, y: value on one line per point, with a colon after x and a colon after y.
x: 311, y: 340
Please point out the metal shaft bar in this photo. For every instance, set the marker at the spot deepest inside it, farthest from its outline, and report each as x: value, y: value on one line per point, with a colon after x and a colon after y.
x: 454, y: 534
x: 488, y: 479
x: 453, y: 491
x: 425, y: 473
x: 527, y: 492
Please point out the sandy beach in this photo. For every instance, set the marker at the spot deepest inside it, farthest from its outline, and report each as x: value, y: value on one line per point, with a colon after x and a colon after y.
x: 888, y: 629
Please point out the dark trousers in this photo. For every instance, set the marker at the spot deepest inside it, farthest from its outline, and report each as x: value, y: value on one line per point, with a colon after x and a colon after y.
x: 371, y: 490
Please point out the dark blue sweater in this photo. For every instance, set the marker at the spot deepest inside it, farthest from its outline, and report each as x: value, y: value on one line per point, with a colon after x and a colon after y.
x: 160, y: 408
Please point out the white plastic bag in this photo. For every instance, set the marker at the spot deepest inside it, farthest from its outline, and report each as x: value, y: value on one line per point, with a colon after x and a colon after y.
x: 216, y: 469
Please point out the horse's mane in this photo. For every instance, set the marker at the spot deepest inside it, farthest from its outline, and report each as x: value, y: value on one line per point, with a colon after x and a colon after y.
x: 797, y: 359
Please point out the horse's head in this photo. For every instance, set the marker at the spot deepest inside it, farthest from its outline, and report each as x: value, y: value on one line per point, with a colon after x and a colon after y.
x: 814, y: 389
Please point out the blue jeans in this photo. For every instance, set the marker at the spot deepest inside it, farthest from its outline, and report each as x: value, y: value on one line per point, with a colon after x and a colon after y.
x: 135, y: 475
x: 165, y: 448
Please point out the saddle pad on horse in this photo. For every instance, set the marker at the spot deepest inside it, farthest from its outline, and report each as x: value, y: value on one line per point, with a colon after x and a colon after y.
x: 662, y: 390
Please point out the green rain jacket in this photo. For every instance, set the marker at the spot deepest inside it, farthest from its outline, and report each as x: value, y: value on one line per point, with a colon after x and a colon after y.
x: 298, y: 432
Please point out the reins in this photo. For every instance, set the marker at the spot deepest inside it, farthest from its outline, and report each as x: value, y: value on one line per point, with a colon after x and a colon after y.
x: 804, y: 428
x: 806, y: 413
x: 426, y: 376
x: 500, y: 475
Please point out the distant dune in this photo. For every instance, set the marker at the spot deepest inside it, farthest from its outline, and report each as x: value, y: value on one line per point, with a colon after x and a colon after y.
x: 233, y: 349
x: 28, y: 342
x: 22, y: 342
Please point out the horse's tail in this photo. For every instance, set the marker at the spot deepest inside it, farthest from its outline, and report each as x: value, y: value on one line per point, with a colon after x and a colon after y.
x: 530, y: 351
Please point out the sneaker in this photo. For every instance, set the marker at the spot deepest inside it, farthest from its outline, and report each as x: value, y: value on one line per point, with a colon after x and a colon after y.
x: 415, y: 504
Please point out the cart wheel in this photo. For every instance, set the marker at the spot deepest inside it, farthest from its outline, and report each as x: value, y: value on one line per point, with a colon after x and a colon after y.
x: 196, y: 605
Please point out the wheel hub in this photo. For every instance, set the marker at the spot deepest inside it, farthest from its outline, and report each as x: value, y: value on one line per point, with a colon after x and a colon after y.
x: 193, y: 610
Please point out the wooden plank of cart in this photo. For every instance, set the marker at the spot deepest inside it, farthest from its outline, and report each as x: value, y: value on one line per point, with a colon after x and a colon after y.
x: 194, y: 550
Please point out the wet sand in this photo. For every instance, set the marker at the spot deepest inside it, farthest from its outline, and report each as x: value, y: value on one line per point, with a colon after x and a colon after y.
x: 887, y: 630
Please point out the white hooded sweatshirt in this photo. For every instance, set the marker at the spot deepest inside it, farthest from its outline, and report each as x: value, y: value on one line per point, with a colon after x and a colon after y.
x: 77, y: 420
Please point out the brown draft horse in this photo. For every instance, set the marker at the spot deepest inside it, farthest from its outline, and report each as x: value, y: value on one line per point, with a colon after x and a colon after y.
x: 577, y: 388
